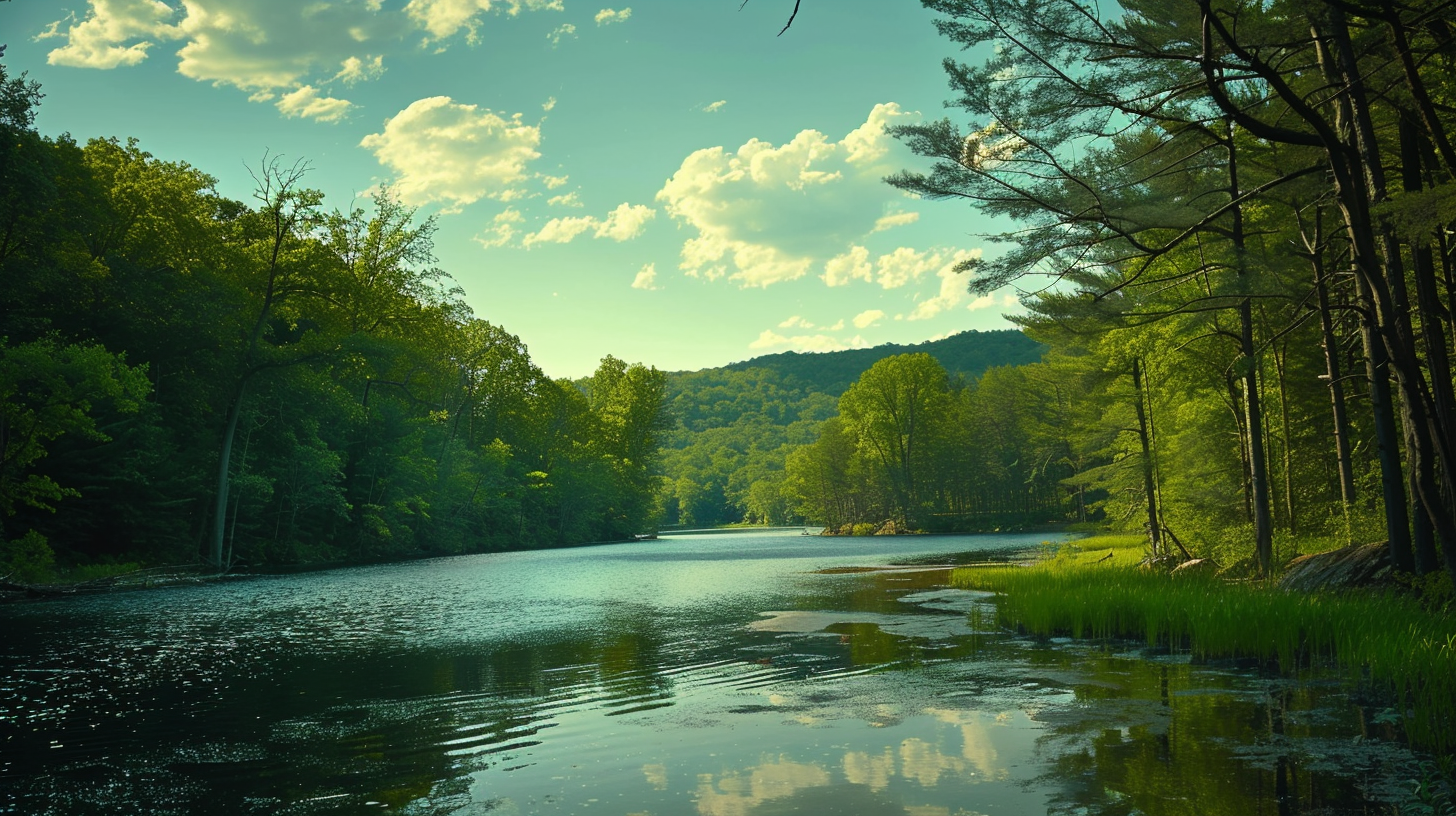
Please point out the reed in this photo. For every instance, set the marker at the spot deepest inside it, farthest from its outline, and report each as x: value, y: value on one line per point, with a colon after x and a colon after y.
x: 1386, y: 641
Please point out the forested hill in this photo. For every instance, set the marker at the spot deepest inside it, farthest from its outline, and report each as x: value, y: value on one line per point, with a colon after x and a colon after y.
x: 968, y: 353
x: 735, y: 425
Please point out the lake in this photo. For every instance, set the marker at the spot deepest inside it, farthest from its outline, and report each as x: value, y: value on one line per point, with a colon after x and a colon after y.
x: 718, y: 675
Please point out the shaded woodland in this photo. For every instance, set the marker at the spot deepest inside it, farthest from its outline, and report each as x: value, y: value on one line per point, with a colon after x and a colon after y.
x: 185, y: 377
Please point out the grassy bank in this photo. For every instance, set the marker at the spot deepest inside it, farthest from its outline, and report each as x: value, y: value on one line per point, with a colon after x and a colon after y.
x: 1385, y: 641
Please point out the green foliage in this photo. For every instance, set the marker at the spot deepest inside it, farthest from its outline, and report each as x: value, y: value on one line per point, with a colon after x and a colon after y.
x: 183, y: 375
x: 27, y: 560
x: 1391, y: 642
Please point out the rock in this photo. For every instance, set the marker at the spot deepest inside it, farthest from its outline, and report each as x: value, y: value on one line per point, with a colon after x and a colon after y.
x: 1359, y: 565
x: 1159, y: 563
x: 1197, y: 567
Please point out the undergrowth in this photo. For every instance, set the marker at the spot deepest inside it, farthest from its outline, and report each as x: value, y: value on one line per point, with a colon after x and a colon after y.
x: 1385, y: 640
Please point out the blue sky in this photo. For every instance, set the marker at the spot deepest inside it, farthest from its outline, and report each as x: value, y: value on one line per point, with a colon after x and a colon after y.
x: 668, y: 182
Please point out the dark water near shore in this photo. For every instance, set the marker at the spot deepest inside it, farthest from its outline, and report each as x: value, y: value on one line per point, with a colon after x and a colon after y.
x: 715, y: 675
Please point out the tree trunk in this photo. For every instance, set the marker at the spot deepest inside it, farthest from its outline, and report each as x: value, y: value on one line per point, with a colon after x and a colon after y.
x: 1155, y: 531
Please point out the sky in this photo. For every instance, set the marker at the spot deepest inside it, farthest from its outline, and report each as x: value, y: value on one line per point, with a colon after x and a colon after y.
x: 669, y: 182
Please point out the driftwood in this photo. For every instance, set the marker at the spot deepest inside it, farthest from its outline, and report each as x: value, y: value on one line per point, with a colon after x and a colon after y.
x: 1359, y: 565
x: 136, y: 579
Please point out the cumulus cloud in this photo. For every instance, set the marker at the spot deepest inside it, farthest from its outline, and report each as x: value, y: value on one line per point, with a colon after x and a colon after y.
x: 867, y: 318
x: 608, y: 16
x: 560, y: 33
x: 769, y: 339
x: 552, y: 182
x: 982, y: 302
x: 306, y: 103
x: 714, y: 107
x: 456, y: 154
x: 559, y: 231
x: 624, y: 223
x: 796, y: 322
x: 570, y: 199
x: 114, y: 33
x: 849, y: 266
x: 952, y: 285
x: 354, y: 70
x: 548, y: 104
x: 767, y: 213
x: 893, y: 220
x: 646, y: 278
x: 445, y: 18
x: 502, y: 229
x: 266, y: 48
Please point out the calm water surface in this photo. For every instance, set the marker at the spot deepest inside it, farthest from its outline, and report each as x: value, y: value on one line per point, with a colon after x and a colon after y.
x: 717, y: 675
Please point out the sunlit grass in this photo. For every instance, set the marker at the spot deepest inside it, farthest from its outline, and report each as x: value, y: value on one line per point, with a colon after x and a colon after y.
x: 1385, y: 641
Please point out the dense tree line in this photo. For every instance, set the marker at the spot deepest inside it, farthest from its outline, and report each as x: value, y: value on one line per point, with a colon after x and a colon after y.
x: 736, y: 425
x: 184, y: 376
x: 1244, y: 211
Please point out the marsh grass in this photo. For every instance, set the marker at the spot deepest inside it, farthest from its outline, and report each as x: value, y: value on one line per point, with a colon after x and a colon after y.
x: 1386, y: 642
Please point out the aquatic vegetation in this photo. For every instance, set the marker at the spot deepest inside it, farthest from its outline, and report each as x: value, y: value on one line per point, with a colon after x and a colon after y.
x: 1385, y: 643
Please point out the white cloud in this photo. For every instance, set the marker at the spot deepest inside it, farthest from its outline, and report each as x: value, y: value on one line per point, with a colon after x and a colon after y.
x: 266, y: 47
x: 548, y: 104
x: 838, y: 324
x: 646, y: 278
x: 560, y: 33
x: 114, y: 33
x: 1010, y: 300
x: 893, y: 220
x: 354, y: 70
x: 765, y: 213
x: 952, y: 285
x: 868, y: 318
x: 796, y: 322
x: 306, y: 103
x: 570, y: 199
x: 608, y: 16
x: 904, y: 265
x: 445, y: 18
x: 852, y: 265
x: 982, y: 302
x: 624, y: 223
x: 714, y: 107
x: 768, y: 339
x: 502, y: 229
x: 560, y: 230
x: 456, y: 154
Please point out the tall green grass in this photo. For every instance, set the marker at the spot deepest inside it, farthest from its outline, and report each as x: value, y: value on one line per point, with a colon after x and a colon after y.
x: 1386, y: 641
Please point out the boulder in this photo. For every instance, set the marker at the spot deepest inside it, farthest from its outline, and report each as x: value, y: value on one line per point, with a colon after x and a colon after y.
x: 1159, y: 563
x: 1359, y: 565
x: 1197, y: 567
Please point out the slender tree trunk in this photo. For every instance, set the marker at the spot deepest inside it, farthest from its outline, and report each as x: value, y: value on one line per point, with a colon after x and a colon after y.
x: 1332, y: 371
x: 1249, y: 373
x: 1280, y: 360
x: 1432, y: 328
x: 1155, y: 531
x: 224, y: 464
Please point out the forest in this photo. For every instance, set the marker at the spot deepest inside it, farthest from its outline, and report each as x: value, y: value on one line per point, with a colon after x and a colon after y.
x: 1230, y: 226
x: 1232, y: 223
x: 187, y: 378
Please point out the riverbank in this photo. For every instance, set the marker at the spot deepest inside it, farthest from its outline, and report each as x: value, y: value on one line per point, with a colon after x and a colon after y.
x: 1387, y: 645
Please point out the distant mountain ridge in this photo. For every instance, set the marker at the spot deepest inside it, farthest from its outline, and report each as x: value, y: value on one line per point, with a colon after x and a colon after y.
x: 968, y: 353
